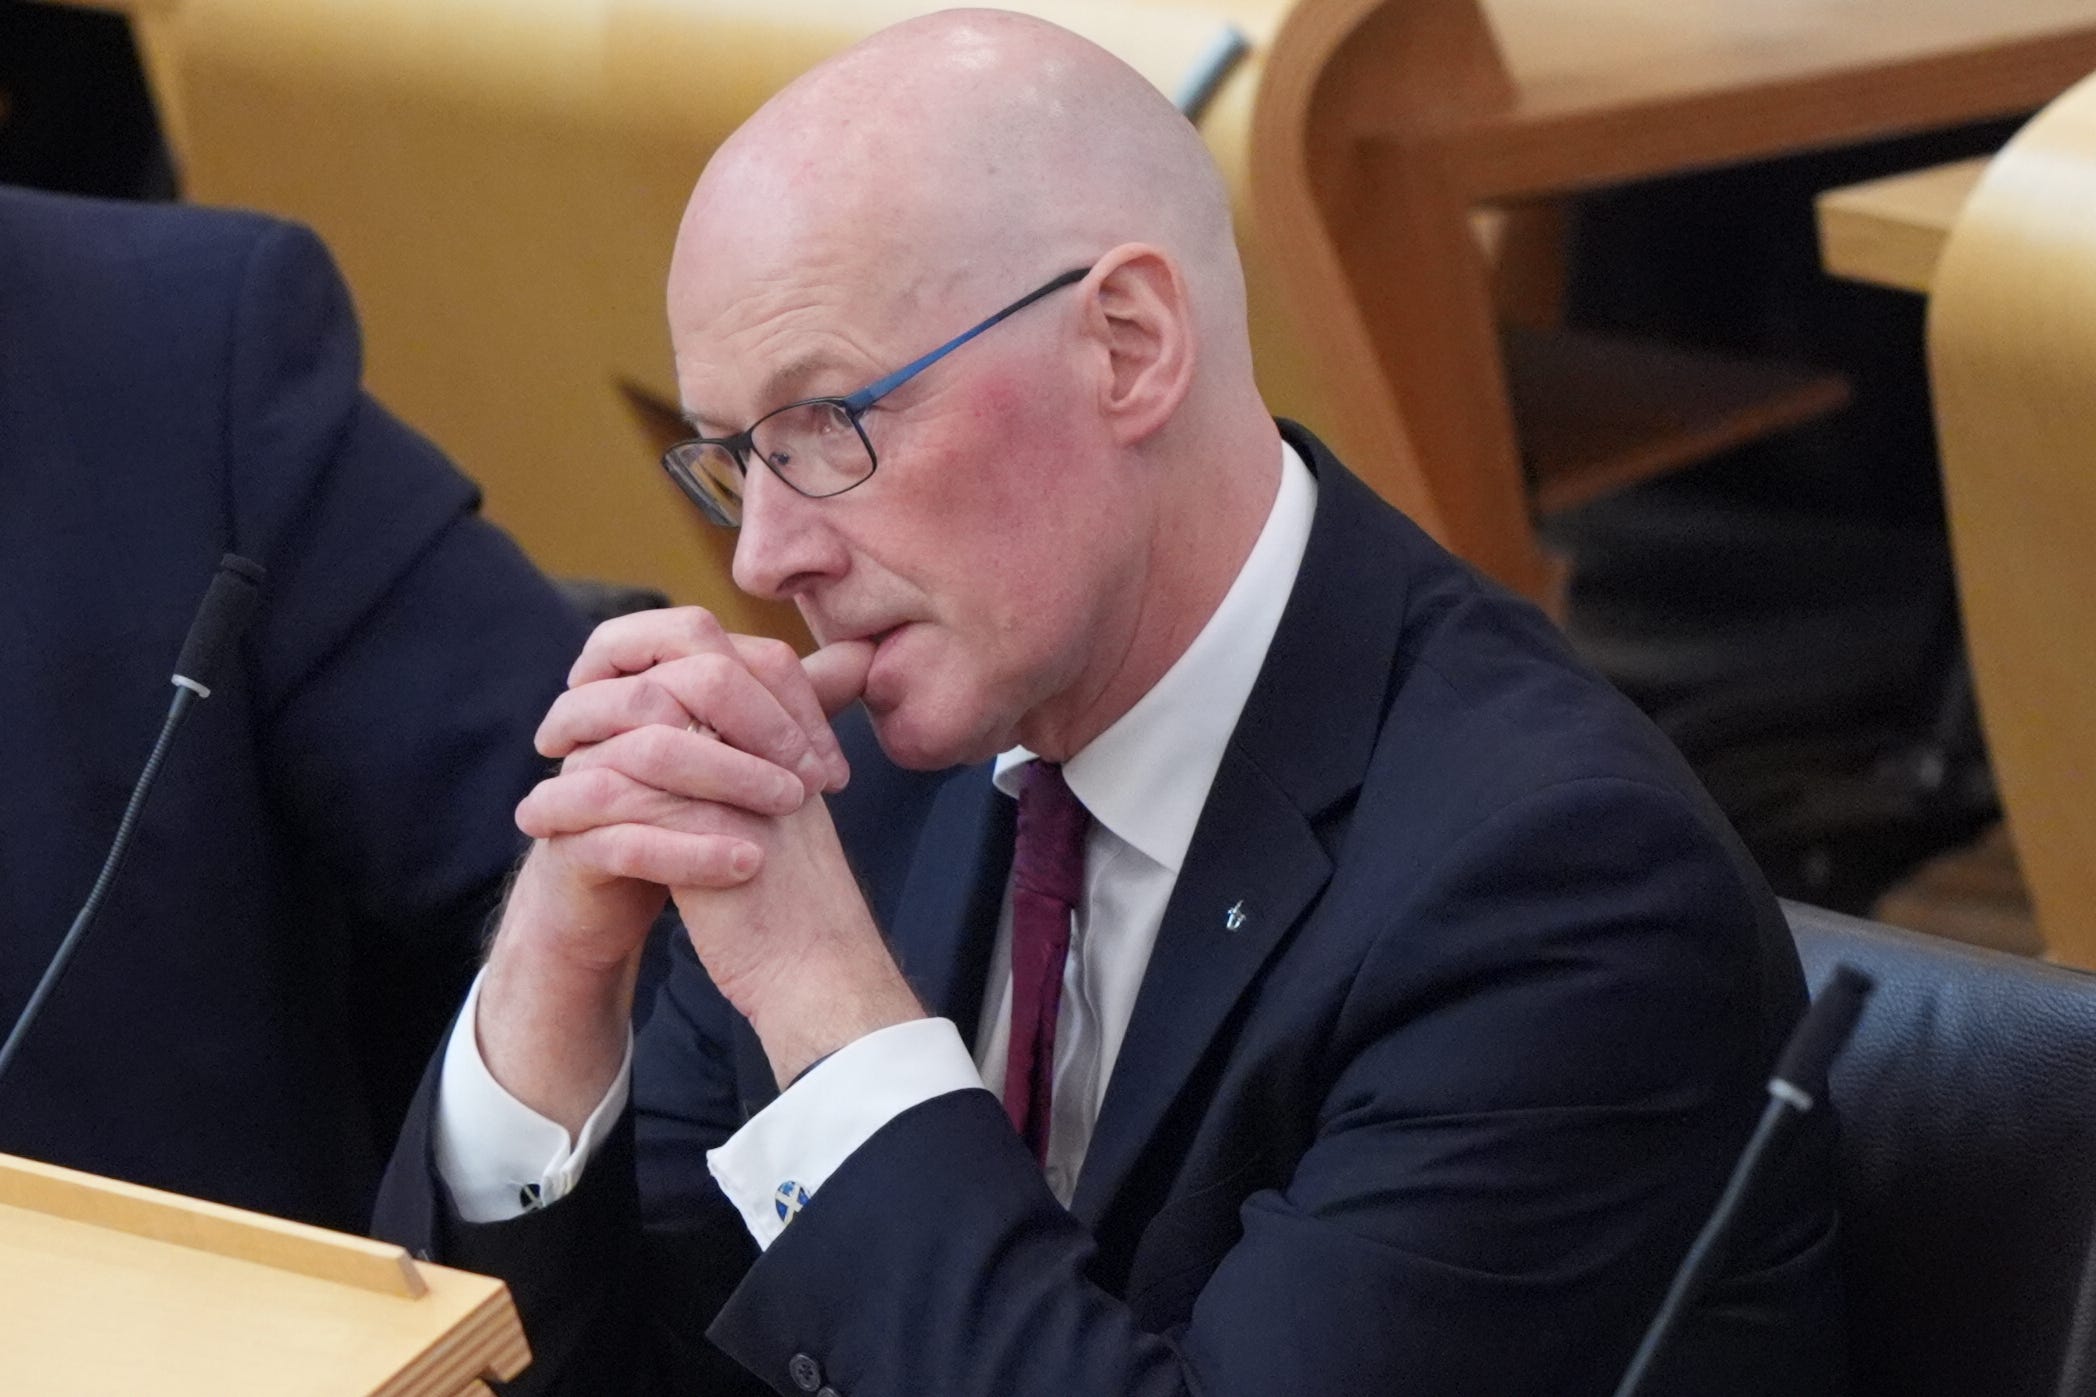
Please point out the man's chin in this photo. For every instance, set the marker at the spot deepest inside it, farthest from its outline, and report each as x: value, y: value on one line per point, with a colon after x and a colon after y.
x: 915, y: 743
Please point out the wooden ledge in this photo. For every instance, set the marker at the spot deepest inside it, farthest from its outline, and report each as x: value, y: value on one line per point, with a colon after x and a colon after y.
x: 1596, y: 413
x: 1889, y: 232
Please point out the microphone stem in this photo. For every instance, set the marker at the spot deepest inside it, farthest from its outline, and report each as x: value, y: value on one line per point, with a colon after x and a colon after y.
x: 1700, y: 1257
x: 183, y: 698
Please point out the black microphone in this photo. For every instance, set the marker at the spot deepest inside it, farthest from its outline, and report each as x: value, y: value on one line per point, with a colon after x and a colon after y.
x: 228, y: 607
x: 1813, y: 1046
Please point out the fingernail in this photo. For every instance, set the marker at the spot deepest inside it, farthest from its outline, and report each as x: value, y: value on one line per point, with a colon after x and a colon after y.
x: 790, y: 794
x: 814, y: 771
x: 743, y: 862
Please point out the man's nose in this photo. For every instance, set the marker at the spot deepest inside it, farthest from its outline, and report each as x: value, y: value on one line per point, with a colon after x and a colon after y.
x: 783, y: 546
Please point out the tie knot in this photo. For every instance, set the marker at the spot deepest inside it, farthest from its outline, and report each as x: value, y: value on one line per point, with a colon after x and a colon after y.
x: 1048, y: 857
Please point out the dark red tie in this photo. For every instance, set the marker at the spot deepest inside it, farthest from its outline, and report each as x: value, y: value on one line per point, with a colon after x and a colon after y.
x: 1047, y: 884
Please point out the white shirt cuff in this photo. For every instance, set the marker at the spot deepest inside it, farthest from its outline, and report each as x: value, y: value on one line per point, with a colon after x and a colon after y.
x: 500, y: 1158
x: 773, y: 1165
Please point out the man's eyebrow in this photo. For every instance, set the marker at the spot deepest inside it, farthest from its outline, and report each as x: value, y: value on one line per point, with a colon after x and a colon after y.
x: 701, y: 424
x: 785, y: 384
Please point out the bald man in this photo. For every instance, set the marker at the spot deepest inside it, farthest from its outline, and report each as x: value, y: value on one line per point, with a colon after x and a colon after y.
x: 1251, y: 955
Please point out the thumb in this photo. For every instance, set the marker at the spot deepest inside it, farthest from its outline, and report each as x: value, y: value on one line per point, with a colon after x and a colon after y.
x: 837, y: 673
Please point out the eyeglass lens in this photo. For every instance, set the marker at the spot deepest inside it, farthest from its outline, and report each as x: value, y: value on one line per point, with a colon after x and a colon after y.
x: 814, y: 447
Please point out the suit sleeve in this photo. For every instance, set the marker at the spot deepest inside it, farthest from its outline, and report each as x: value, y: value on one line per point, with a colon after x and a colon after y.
x: 1536, y: 1086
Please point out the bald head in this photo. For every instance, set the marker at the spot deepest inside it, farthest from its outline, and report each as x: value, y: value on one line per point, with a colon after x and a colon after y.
x: 966, y: 154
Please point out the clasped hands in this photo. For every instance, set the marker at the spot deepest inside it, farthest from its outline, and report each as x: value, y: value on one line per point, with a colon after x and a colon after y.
x: 694, y: 764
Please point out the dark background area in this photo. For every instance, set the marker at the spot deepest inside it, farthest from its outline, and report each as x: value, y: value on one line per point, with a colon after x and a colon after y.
x: 74, y: 111
x: 1787, y: 612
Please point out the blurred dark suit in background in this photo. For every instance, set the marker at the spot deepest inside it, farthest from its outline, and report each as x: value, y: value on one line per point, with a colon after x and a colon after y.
x: 304, y: 902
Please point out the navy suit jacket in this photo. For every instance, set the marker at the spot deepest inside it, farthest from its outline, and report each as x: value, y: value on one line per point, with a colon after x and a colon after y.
x: 303, y: 902
x: 1439, y: 1115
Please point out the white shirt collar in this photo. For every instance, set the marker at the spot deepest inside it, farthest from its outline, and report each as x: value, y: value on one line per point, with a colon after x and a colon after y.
x: 1146, y: 777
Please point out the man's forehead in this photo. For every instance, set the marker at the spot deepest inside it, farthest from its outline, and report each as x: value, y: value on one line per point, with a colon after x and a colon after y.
x: 714, y: 407
x: 749, y: 349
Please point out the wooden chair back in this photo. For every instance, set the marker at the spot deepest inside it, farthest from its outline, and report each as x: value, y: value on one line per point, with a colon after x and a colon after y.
x: 2012, y: 363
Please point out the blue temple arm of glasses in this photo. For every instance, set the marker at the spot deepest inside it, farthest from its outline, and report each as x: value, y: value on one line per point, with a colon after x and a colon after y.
x: 881, y: 387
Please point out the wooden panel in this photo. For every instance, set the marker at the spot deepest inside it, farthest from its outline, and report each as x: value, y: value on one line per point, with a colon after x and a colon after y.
x: 1570, y: 56
x: 1597, y: 413
x: 2012, y: 362
x: 1612, y: 90
x: 1889, y: 232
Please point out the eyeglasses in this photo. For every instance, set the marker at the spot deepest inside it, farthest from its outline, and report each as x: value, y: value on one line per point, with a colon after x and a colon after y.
x: 817, y: 446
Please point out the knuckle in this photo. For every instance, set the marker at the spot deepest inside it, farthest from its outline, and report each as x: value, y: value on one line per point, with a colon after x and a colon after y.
x: 614, y: 851
x: 655, y: 745
x: 711, y: 676
x: 598, y: 785
x: 604, y: 639
x: 699, y: 625
x: 772, y: 657
x: 622, y: 850
x: 715, y: 667
x: 644, y: 701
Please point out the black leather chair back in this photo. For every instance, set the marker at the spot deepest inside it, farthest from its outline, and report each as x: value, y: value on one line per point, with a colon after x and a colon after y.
x: 1968, y: 1162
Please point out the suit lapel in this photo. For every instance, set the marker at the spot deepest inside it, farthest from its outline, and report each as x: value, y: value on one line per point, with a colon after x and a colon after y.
x: 1256, y: 863
x: 1252, y: 869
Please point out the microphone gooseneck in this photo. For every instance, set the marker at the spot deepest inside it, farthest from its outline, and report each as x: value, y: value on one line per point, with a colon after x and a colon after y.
x: 228, y: 606
x: 1793, y: 1087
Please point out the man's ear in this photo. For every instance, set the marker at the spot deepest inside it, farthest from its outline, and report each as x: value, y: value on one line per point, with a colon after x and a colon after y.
x: 1143, y: 317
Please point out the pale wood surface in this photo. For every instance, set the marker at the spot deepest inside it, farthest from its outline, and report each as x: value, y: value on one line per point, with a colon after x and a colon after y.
x: 2012, y: 365
x: 1889, y: 232
x: 1606, y: 90
x: 93, y: 1302
x: 1380, y: 125
x: 212, y: 1227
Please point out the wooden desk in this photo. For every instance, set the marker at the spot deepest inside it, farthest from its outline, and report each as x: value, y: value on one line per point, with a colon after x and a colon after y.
x: 1380, y: 127
x: 1611, y: 90
x: 1890, y: 232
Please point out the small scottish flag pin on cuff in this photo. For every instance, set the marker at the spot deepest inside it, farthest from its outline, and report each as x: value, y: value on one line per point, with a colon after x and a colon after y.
x: 789, y: 1199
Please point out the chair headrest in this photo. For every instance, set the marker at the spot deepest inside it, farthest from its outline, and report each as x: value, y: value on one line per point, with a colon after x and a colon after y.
x: 1968, y: 1155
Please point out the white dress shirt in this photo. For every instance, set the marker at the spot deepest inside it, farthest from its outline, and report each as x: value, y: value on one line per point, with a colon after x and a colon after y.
x: 1144, y: 781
